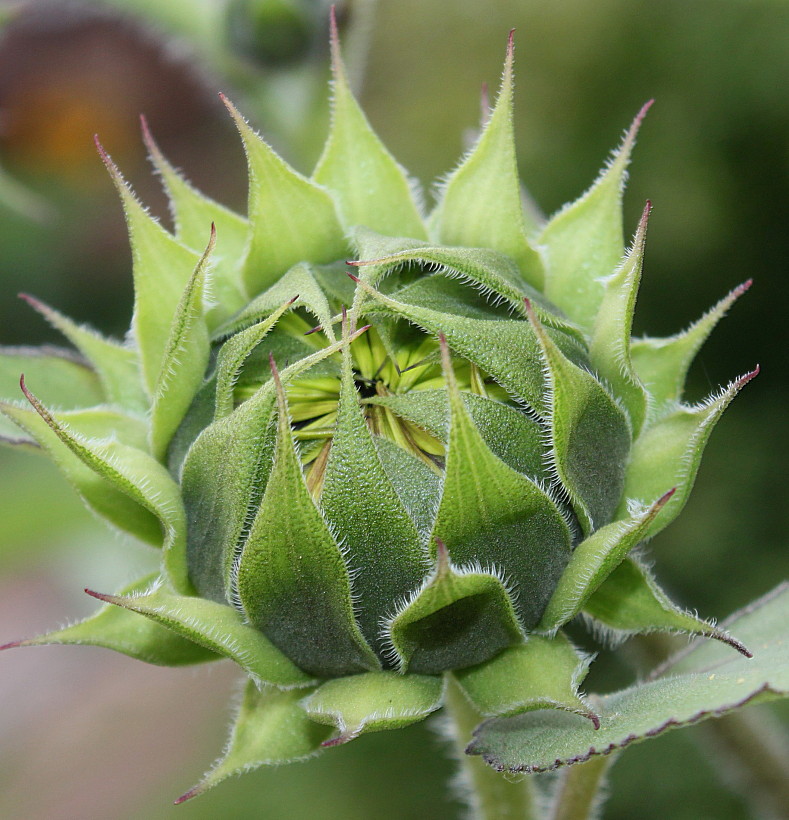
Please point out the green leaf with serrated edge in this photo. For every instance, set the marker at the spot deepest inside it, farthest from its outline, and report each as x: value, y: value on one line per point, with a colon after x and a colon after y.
x: 380, y: 541
x: 63, y: 379
x: 593, y: 560
x: 589, y: 435
x: 232, y: 355
x: 480, y: 203
x: 585, y: 241
x: 185, y: 359
x: 609, y: 350
x: 373, y: 702
x: 193, y: 214
x: 491, y: 514
x: 630, y: 601
x: 161, y: 267
x: 129, y: 633
x: 418, y: 486
x: 707, y: 681
x: 507, y: 349
x: 109, y: 502
x: 663, y: 364
x: 299, y: 282
x: 292, y: 219
x: 291, y: 578
x: 459, y: 617
x: 217, y: 627
x: 446, y: 295
x: 510, y: 434
x: 269, y: 729
x: 543, y: 673
x: 222, y: 481
x: 370, y: 187
x: 668, y: 453
x: 488, y: 271
x: 117, y: 366
x: 140, y: 477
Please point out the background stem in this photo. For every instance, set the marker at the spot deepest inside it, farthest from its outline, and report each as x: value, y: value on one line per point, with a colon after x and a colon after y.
x: 578, y: 791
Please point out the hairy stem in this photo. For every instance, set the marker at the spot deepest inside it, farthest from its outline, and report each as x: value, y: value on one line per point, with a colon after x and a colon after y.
x: 490, y: 794
x: 578, y: 792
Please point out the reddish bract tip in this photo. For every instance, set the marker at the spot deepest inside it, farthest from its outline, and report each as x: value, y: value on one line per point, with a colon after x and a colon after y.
x: 740, y: 289
x: 334, y: 37
x: 663, y: 500
x: 314, y: 330
x: 355, y: 278
x: 273, y: 365
x: 13, y: 644
x: 743, y: 380
x: 595, y: 719
x: 511, y: 42
x: 337, y: 741
x: 193, y: 792
x: 294, y: 299
x: 101, y: 596
x: 147, y: 136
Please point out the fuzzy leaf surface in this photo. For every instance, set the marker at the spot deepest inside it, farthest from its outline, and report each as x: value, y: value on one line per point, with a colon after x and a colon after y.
x: 707, y: 681
x: 373, y: 702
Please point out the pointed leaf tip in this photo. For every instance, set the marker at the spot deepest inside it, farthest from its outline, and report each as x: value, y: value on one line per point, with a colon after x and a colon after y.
x: 13, y: 644
x: 193, y: 792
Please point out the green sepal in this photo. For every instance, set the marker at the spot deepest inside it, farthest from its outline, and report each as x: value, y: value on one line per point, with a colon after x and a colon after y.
x: 101, y: 495
x: 507, y: 349
x: 161, y: 267
x: 232, y: 355
x: 185, y: 359
x: 589, y: 436
x: 511, y: 435
x: 705, y: 680
x: 129, y: 633
x: 480, y: 204
x: 668, y: 453
x: 269, y: 729
x: 369, y: 186
x: 585, y: 241
x: 418, y: 486
x: 216, y: 627
x: 223, y: 477
x: 491, y: 514
x: 291, y: 578
x: 373, y: 702
x: 117, y: 366
x: 380, y: 541
x: 292, y: 219
x: 662, y: 364
x: 593, y: 560
x: 459, y: 617
x: 609, y: 350
x: 193, y: 214
x: 543, y: 673
x: 299, y: 282
x: 135, y: 474
x: 63, y: 379
x: 630, y: 602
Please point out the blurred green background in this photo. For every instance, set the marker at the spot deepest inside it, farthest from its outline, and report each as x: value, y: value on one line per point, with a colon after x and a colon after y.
x: 86, y: 734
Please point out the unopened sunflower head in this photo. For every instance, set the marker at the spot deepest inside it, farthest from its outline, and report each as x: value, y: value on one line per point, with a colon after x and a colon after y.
x: 366, y: 474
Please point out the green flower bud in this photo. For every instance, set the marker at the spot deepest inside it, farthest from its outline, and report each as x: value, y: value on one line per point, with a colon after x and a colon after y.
x: 376, y: 448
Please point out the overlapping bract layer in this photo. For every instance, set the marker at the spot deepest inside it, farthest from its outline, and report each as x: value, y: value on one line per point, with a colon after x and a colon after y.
x: 326, y: 515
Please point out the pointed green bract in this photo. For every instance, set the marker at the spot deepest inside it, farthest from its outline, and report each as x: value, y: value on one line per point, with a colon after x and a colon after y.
x: 584, y: 241
x: 161, y: 267
x: 669, y: 452
x: 129, y: 633
x: 593, y: 560
x: 370, y: 188
x: 193, y: 214
x: 291, y: 579
x: 292, y: 219
x: 380, y: 540
x: 373, y: 702
x: 480, y: 204
x: 461, y: 616
x: 543, y: 673
x: 662, y: 364
x: 117, y: 366
x: 629, y: 601
x: 491, y: 514
x: 269, y: 729
x: 609, y: 350
x: 216, y: 627
x: 590, y: 437
x: 185, y: 360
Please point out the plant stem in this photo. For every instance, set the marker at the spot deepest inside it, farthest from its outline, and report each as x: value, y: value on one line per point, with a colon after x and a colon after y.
x: 491, y: 795
x: 578, y: 790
